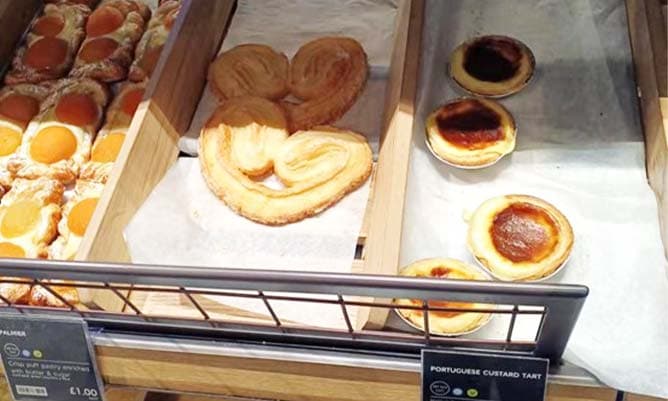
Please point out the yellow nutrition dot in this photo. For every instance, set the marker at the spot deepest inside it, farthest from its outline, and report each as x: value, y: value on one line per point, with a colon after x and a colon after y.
x: 107, y: 149
x: 53, y: 144
x: 80, y: 216
x: 19, y: 219
x: 9, y: 250
x: 10, y: 139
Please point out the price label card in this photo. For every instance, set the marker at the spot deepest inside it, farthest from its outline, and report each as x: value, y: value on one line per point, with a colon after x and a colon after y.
x: 48, y: 358
x: 457, y: 376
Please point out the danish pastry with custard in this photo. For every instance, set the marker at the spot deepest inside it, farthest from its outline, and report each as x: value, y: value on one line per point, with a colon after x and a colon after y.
x: 248, y: 137
x: 444, y: 322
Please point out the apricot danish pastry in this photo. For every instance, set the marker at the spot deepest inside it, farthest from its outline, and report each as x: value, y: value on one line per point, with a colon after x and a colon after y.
x: 150, y: 46
x: 250, y: 70
x: 247, y: 137
x: 50, y: 46
x: 328, y: 74
x: 112, y: 31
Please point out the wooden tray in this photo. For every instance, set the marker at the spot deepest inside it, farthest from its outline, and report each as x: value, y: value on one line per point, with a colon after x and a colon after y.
x: 171, y: 98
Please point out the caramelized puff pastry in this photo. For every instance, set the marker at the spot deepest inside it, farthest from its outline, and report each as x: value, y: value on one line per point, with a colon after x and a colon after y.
x: 50, y: 46
x: 328, y: 74
x: 77, y: 213
x: 443, y: 322
x: 150, y: 46
x: 59, y: 141
x: 110, y: 139
x: 29, y: 214
x: 90, y: 3
x: 19, y: 104
x: 250, y: 70
x: 247, y: 137
x: 519, y: 237
x: 112, y: 31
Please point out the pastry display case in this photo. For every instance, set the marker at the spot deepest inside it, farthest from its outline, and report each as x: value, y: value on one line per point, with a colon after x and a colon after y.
x: 236, y: 332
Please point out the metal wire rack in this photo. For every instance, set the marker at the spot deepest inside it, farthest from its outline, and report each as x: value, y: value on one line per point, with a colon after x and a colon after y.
x: 556, y: 307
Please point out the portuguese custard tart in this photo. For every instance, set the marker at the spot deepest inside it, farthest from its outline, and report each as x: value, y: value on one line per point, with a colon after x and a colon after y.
x: 449, y: 323
x: 471, y: 133
x: 492, y: 66
x: 520, y: 237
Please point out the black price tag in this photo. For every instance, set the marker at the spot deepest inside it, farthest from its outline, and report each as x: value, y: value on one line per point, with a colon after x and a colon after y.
x: 457, y: 376
x: 48, y: 358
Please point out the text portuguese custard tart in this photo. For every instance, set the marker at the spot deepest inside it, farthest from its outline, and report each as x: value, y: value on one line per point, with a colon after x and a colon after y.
x: 492, y: 66
x: 247, y: 137
x: 444, y: 322
x: 471, y: 133
x: 520, y: 237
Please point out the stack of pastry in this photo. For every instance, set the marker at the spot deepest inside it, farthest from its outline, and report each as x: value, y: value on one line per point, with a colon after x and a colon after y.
x: 255, y: 132
x: 55, y: 137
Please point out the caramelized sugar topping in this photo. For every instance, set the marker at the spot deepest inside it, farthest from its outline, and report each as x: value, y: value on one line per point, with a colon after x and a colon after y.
x: 46, y: 53
x: 469, y: 124
x: 492, y: 59
x: 444, y: 272
x: 523, y: 232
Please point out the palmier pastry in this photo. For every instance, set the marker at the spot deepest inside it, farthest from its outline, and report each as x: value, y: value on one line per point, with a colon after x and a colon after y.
x: 112, y: 31
x: 59, y: 142
x: 328, y: 74
x: 76, y: 215
x: 150, y: 46
x: 29, y: 214
x: 444, y: 322
x: 492, y: 66
x: 250, y: 70
x: 50, y: 46
x: 247, y: 137
x: 110, y: 139
x: 471, y: 133
x: 520, y: 237
x: 19, y: 104
x: 15, y: 293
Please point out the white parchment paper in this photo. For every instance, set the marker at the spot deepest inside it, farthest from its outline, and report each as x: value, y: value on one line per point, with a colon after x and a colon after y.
x: 197, y: 229
x: 286, y: 25
x: 580, y: 147
x: 183, y: 223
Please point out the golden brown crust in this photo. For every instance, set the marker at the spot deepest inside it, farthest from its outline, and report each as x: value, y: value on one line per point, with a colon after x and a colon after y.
x: 250, y: 70
x: 317, y: 167
x: 66, y: 170
x: 114, y: 66
x: 47, y: 195
x: 328, y: 74
x: 476, y: 111
x: 74, y: 18
x: 503, y: 65
x: 444, y: 323
x: 482, y: 246
x: 153, y: 40
x: 18, y: 294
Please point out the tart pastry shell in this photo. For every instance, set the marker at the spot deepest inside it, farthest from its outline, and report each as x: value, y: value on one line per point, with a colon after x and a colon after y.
x: 482, y: 244
x: 444, y: 323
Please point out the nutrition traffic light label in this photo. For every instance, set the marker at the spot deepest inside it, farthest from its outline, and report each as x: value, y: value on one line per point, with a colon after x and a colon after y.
x: 48, y: 358
x: 457, y: 376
